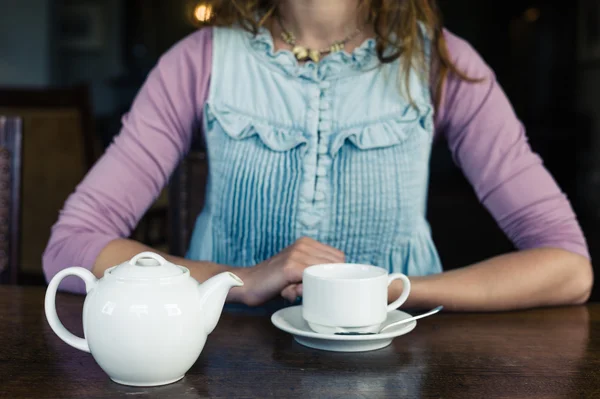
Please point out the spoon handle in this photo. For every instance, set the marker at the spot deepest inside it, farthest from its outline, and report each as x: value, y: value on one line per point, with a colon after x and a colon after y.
x: 432, y: 311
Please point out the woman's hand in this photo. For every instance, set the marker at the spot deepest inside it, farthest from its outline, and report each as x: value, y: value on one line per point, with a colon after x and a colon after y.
x: 282, y: 274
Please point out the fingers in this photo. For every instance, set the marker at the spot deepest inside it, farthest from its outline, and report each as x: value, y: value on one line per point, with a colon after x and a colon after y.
x: 308, y: 259
x: 289, y: 293
x: 283, y: 272
x: 306, y: 252
x: 330, y: 253
x: 292, y: 292
x: 294, y: 269
x: 324, y: 253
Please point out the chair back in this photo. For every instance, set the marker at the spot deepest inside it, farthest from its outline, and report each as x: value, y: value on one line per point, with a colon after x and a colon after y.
x: 186, y: 199
x: 58, y: 150
x: 11, y: 131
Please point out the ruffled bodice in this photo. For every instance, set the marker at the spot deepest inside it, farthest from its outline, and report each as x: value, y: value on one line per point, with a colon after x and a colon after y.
x: 330, y: 150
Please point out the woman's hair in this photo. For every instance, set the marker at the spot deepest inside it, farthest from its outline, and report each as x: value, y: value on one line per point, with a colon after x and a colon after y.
x: 397, y: 25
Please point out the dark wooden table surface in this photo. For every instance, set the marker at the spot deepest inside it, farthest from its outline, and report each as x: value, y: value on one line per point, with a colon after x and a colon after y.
x: 549, y: 353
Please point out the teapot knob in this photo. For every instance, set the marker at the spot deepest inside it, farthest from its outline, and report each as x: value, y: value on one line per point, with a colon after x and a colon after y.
x: 147, y: 259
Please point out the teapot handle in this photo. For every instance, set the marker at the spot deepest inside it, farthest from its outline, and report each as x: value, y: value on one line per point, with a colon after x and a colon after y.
x: 50, y: 305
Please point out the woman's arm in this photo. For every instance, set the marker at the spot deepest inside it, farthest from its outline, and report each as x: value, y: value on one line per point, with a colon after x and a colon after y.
x: 96, y: 220
x: 520, y: 280
x: 489, y: 144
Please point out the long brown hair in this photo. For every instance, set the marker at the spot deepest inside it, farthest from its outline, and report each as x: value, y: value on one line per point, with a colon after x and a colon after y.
x: 397, y: 30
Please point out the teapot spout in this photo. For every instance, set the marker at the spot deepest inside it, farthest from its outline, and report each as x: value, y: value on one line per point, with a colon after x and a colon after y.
x: 213, y: 293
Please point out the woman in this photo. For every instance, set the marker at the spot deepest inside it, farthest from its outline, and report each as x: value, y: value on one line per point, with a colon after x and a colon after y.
x: 319, y: 120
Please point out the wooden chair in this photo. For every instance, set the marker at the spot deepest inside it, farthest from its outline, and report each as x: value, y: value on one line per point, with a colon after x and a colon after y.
x: 186, y: 199
x: 48, y: 100
x: 10, y: 197
x: 58, y: 150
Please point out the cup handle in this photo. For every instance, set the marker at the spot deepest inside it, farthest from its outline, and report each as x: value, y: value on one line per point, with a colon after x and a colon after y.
x: 50, y: 305
x: 405, y: 290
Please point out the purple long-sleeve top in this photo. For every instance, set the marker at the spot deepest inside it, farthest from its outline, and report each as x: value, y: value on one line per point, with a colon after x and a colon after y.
x: 487, y: 141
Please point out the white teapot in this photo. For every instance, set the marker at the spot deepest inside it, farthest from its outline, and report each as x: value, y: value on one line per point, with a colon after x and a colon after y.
x: 146, y: 321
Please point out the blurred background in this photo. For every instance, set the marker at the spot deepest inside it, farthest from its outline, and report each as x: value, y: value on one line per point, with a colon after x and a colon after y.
x: 70, y: 69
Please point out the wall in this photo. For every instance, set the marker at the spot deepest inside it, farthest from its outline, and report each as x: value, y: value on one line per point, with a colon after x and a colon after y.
x: 26, y: 42
x: 97, y: 67
x: 30, y: 54
x: 588, y: 103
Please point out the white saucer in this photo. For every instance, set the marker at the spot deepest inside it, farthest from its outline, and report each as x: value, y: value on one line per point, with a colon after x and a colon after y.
x: 290, y: 320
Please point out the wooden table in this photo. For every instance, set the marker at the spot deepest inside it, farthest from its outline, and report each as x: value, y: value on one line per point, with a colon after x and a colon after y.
x: 550, y: 353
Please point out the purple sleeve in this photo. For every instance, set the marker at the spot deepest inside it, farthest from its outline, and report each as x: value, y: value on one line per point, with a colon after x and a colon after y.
x: 155, y: 135
x: 489, y: 144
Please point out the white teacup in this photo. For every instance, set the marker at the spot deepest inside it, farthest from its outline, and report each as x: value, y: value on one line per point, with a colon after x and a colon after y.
x: 348, y: 298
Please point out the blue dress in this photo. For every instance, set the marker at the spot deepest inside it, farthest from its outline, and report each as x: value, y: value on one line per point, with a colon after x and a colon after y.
x: 333, y: 151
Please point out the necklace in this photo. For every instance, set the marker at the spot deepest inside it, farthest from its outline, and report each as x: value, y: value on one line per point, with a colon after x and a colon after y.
x: 303, y: 53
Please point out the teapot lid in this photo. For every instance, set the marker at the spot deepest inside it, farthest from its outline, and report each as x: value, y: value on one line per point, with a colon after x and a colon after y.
x: 147, y: 265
